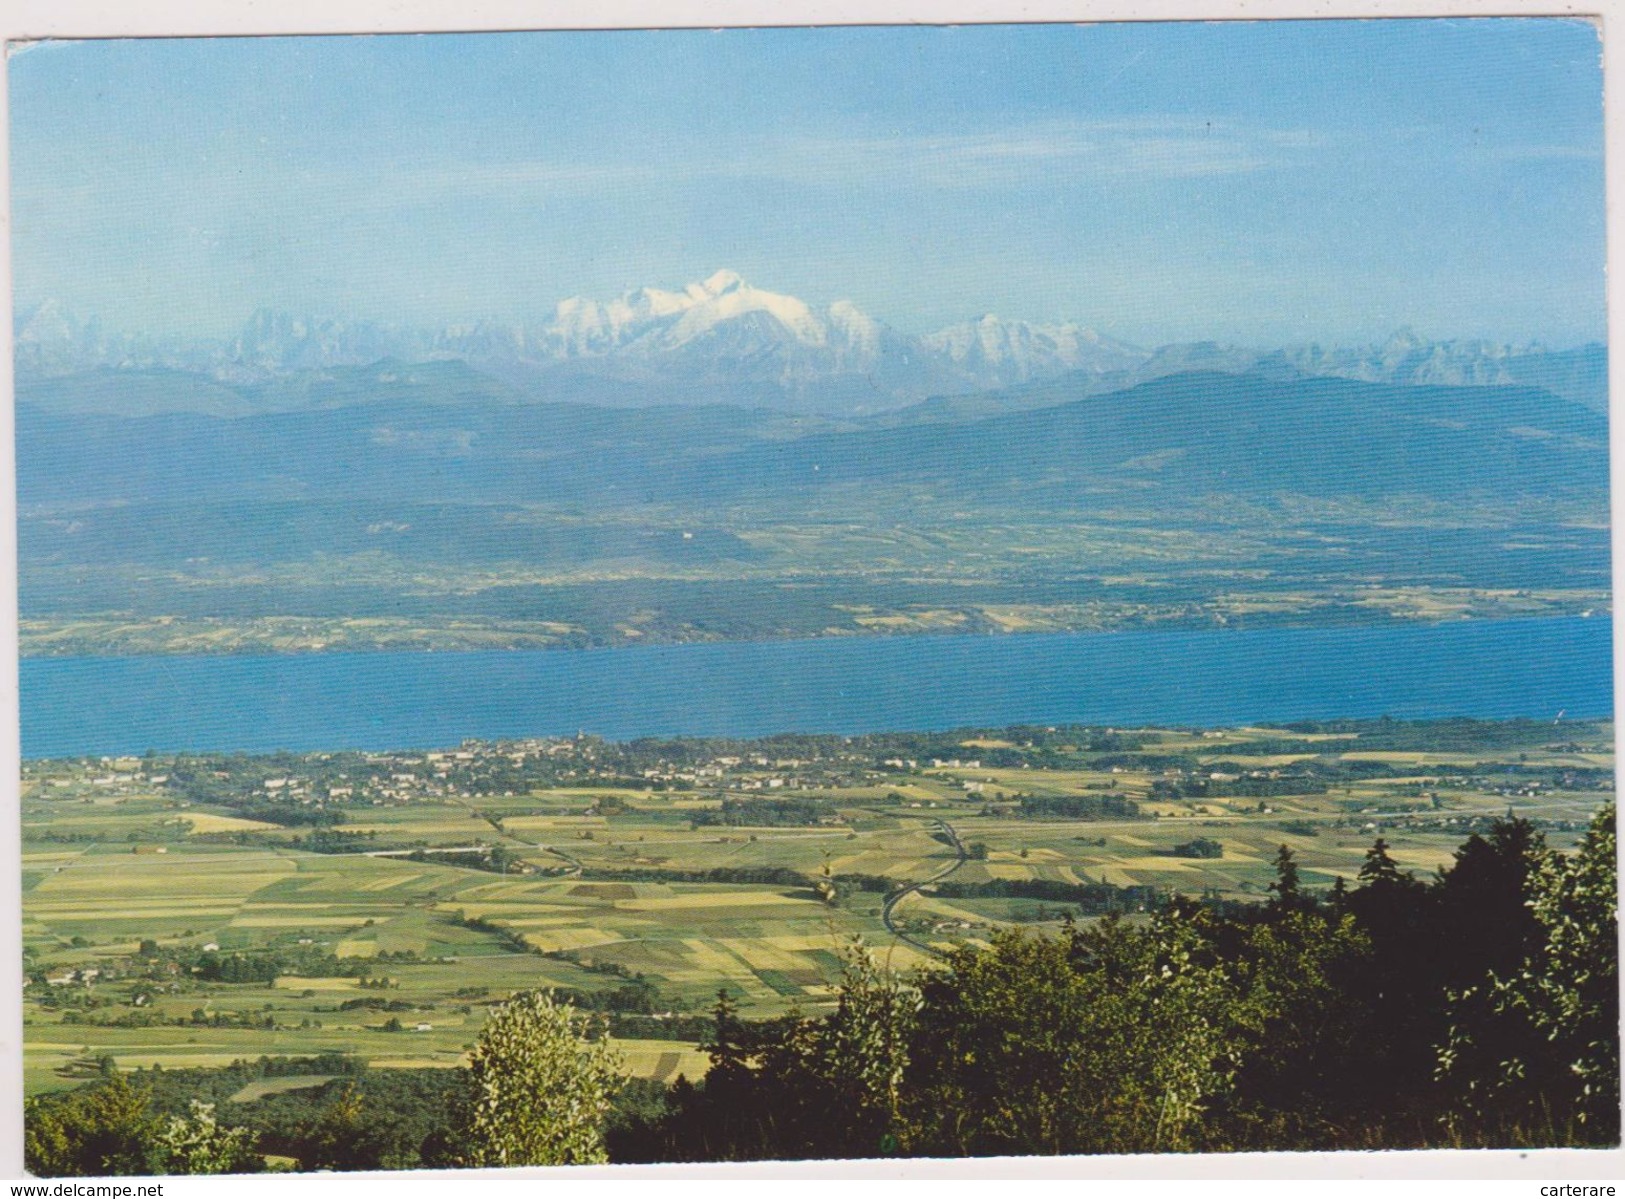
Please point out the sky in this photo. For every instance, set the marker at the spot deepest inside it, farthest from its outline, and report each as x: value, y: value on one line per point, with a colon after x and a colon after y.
x: 1262, y: 183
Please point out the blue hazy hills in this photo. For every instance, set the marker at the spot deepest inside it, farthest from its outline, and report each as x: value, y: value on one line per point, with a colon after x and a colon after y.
x: 444, y: 432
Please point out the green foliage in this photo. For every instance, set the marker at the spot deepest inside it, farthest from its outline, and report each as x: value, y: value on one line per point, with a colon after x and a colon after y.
x: 765, y: 813
x: 539, y: 1090
x: 1079, y: 807
x: 838, y: 1081
x: 1111, y: 1039
x: 823, y: 1087
x: 1572, y: 988
x: 197, y: 1144
x: 1285, y: 886
x: 1477, y: 1007
x: 1540, y: 1045
x: 1201, y: 847
x: 371, y: 1120
x: 108, y: 1129
x: 338, y: 1138
x: 1291, y: 1024
x: 1304, y: 1028
x: 112, y: 1128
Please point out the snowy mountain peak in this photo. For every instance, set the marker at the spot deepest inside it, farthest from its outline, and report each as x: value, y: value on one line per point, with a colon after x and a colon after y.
x: 47, y: 322
x: 721, y: 337
x: 1404, y: 340
x: 850, y: 325
x: 1004, y: 352
x: 723, y: 282
x: 651, y: 321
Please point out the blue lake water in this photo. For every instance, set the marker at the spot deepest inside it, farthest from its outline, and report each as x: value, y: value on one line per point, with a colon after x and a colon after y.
x: 1534, y: 668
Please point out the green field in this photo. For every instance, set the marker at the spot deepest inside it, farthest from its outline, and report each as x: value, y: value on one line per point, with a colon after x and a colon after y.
x: 134, y: 889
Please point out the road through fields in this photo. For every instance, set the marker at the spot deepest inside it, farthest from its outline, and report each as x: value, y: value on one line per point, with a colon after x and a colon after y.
x: 903, y: 892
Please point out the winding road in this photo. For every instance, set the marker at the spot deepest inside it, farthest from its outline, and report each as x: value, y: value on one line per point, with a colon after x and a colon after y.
x: 896, y: 897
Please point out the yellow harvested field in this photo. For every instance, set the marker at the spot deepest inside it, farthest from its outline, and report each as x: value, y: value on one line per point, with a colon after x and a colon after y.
x: 292, y: 982
x: 572, y: 824
x: 710, y: 899
x: 509, y: 912
x: 261, y: 1087
x: 1424, y: 857
x: 1156, y: 863
x: 324, y: 904
x: 793, y: 942
x: 528, y: 922
x: 760, y: 956
x: 461, y: 933
x: 506, y: 891
x: 208, y: 822
x: 51, y: 858
x: 463, y: 828
x: 707, y: 955
x: 1007, y: 870
x: 900, y: 956
x: 948, y: 911
x: 552, y: 940
x: 448, y: 1061
x: 662, y: 1060
x: 1403, y: 757
x: 48, y: 912
x: 388, y: 882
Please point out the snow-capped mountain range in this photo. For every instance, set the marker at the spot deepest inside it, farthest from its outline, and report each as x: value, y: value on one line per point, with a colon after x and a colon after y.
x: 724, y: 340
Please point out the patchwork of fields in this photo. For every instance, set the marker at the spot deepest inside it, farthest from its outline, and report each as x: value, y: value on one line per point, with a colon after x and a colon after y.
x: 151, y: 919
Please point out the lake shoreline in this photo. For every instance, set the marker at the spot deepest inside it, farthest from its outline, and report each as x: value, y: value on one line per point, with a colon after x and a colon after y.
x: 115, y: 636
x: 379, y: 700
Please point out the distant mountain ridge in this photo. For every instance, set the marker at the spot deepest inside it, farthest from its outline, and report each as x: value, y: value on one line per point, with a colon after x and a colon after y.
x: 1160, y: 443
x: 720, y: 340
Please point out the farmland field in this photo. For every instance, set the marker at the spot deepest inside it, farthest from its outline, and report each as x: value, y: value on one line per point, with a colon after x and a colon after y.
x: 195, y: 911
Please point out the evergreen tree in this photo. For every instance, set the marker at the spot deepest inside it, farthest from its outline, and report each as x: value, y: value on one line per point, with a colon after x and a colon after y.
x: 1399, y: 986
x: 1379, y: 869
x: 1287, y: 895
x: 1485, y: 922
x: 1340, y: 895
x: 726, y: 1048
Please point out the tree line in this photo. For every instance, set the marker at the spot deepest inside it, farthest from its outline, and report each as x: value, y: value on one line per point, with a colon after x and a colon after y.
x: 1479, y: 1008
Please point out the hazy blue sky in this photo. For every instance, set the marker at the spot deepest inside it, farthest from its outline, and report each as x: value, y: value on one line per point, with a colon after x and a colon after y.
x: 1260, y: 182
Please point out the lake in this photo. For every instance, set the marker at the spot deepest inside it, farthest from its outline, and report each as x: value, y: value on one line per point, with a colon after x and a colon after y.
x: 1534, y: 668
